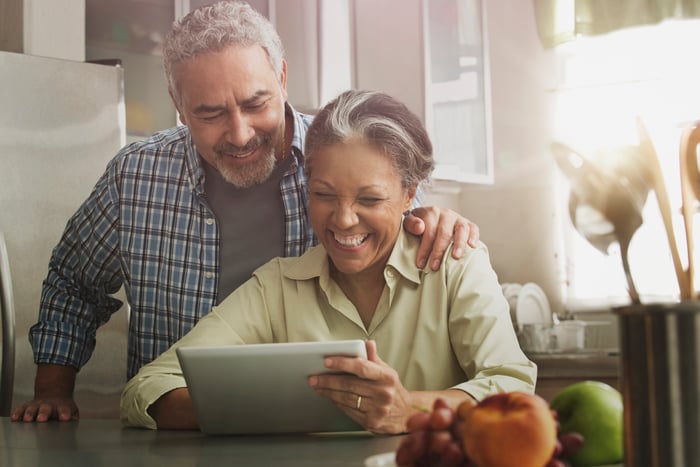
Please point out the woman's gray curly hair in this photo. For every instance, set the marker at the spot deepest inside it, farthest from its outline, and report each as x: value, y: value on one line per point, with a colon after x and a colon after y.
x: 381, y: 121
x: 212, y: 28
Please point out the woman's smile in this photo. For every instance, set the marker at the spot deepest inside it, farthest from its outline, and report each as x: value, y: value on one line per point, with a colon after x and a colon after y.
x: 350, y: 241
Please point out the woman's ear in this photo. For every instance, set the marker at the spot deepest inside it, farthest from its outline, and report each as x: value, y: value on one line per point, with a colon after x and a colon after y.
x: 411, y: 193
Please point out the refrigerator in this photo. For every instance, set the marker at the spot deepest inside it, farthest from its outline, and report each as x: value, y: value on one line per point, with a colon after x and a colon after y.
x: 60, y: 123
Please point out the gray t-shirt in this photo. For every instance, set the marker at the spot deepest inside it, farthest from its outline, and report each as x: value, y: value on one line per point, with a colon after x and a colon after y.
x: 251, y: 225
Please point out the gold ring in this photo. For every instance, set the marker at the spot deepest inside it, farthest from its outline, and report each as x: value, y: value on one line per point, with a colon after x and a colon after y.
x: 359, y: 401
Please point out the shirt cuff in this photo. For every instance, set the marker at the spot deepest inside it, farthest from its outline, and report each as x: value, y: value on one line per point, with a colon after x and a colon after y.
x: 140, y: 393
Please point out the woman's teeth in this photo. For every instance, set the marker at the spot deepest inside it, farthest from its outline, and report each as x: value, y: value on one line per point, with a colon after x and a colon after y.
x: 354, y: 240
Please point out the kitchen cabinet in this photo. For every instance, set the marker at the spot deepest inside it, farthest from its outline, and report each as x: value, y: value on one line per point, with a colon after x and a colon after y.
x: 557, y: 371
x: 548, y: 387
x: 11, y: 26
x: 132, y: 32
x: 33, y: 26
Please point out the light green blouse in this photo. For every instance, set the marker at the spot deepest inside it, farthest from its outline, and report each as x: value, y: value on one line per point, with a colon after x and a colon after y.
x: 442, y: 329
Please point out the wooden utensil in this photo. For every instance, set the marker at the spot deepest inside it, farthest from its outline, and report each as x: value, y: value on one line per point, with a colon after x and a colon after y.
x: 659, y: 187
x: 690, y: 194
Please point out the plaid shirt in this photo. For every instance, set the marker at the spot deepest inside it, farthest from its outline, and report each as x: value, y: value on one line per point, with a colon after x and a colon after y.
x: 147, y: 227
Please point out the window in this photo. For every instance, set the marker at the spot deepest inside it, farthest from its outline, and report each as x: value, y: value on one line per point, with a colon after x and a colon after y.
x: 605, y: 83
x: 457, y: 96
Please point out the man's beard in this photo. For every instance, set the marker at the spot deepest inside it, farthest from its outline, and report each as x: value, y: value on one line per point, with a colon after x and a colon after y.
x: 253, y: 173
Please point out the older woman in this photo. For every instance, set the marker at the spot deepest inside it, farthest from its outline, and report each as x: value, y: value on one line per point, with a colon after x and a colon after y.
x: 430, y: 334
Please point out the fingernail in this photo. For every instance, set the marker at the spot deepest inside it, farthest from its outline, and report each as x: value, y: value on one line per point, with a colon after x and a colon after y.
x: 435, y: 264
x: 313, y: 380
x: 458, y: 251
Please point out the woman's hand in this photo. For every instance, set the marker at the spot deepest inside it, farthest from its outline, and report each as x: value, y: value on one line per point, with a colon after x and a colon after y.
x: 369, y: 391
x: 437, y: 228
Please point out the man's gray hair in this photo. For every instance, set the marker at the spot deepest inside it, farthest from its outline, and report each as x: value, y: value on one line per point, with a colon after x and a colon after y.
x: 213, y: 28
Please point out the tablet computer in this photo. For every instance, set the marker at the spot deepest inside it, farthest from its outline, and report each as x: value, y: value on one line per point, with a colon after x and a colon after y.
x: 263, y: 388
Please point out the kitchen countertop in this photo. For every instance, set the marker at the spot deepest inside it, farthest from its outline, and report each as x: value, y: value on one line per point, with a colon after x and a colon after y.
x: 90, y: 442
x: 556, y: 371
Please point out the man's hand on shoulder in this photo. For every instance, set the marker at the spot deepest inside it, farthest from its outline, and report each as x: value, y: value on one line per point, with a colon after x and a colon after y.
x: 438, y: 227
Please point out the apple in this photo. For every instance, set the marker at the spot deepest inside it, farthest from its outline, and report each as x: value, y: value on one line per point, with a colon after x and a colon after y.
x: 593, y: 409
x: 509, y: 429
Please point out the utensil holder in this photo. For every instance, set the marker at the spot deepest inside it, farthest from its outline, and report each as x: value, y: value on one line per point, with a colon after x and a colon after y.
x: 659, y: 347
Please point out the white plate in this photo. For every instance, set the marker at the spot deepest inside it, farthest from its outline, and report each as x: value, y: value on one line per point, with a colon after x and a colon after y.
x: 385, y: 459
x: 511, y: 291
x: 532, y: 306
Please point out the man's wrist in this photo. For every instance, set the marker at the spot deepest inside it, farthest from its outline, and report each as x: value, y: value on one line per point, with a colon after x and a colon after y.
x: 54, y: 381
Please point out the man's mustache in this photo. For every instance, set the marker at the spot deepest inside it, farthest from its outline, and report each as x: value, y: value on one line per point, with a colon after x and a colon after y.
x: 252, y: 145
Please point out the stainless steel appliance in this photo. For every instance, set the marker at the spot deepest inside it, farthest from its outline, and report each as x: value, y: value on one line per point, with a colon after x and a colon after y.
x: 61, y: 121
x: 7, y: 323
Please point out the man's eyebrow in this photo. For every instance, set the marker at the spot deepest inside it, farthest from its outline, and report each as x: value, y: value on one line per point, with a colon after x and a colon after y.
x: 204, y: 109
x: 258, y: 94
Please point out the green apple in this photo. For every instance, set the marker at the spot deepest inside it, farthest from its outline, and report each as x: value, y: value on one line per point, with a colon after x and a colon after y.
x: 593, y: 409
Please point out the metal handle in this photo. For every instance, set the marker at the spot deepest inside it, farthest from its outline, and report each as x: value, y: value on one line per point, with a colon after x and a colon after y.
x: 7, y: 321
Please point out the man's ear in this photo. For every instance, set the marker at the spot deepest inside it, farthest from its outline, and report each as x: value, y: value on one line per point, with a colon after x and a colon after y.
x: 283, y: 79
x: 176, y: 103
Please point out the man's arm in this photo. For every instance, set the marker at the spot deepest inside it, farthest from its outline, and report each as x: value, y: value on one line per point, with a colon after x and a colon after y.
x: 438, y: 227
x: 75, y: 299
x: 53, y: 396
